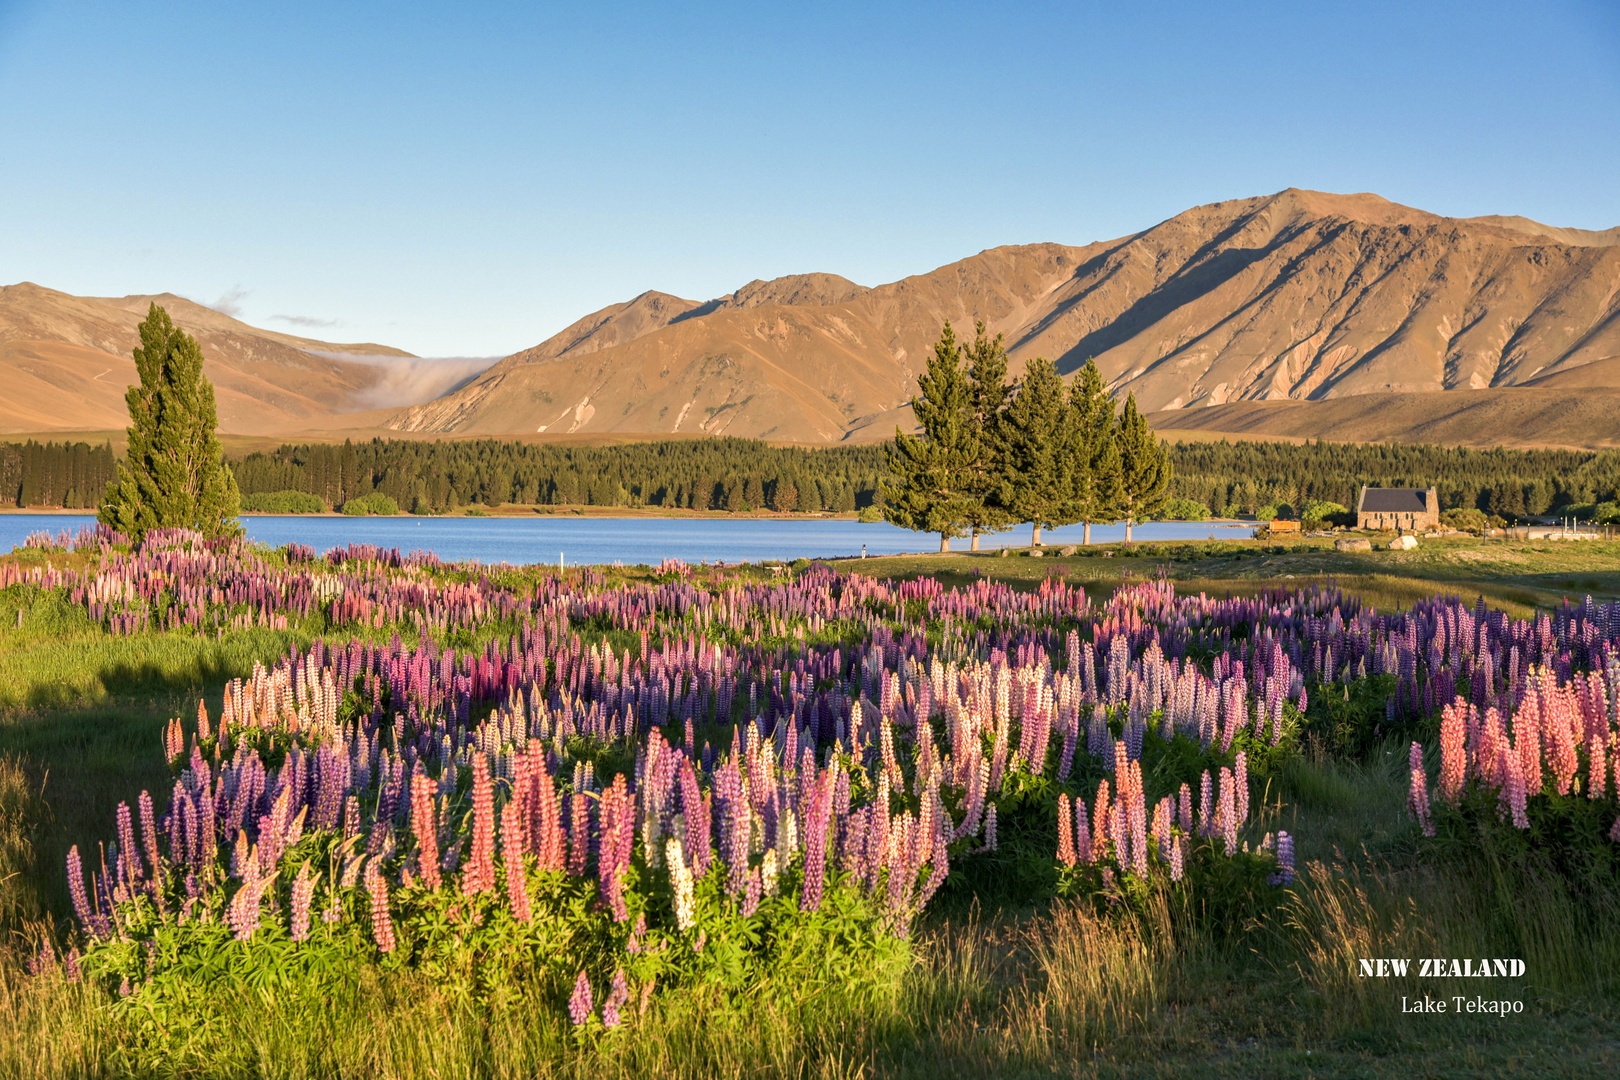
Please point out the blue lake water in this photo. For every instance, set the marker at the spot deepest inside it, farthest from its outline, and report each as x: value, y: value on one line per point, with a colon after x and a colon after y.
x: 626, y: 540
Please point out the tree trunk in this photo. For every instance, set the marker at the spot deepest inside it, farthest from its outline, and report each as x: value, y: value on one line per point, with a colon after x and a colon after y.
x: 1127, y: 530
x: 1087, y: 539
x: 975, y: 538
x: 944, y: 542
x: 1035, y: 535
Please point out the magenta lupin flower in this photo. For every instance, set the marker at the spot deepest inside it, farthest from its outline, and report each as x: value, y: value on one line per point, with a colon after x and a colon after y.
x: 579, y: 1002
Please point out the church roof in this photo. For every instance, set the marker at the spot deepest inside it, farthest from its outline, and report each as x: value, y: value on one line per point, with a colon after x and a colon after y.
x: 1394, y: 500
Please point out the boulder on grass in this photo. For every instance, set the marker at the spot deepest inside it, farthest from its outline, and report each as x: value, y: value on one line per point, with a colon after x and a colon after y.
x: 1403, y: 543
x: 1353, y: 543
x: 1067, y: 550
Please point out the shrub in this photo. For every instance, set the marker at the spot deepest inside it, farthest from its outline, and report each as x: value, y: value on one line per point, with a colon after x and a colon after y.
x: 283, y: 502
x: 1185, y: 510
x: 1465, y: 518
x: 374, y: 504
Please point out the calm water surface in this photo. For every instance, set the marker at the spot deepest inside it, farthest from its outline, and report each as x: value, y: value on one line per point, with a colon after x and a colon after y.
x: 625, y: 540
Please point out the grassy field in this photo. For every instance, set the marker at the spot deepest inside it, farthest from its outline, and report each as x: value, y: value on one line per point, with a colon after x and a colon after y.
x: 998, y: 988
x: 1516, y: 576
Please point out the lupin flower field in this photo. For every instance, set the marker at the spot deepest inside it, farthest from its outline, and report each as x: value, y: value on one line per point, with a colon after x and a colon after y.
x: 599, y: 801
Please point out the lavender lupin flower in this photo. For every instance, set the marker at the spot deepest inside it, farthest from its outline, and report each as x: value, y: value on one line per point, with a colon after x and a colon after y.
x: 620, y: 993
x: 579, y: 1002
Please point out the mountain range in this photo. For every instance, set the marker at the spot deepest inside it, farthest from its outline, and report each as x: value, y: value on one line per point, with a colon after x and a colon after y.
x: 1295, y: 314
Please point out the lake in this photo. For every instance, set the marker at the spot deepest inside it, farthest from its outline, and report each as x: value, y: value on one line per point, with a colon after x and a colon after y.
x: 626, y: 540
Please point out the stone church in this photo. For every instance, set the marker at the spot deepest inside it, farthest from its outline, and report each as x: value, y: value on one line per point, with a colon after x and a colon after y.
x: 1409, y: 509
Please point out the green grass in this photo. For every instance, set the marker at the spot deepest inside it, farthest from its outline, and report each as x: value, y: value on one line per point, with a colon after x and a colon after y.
x: 993, y: 992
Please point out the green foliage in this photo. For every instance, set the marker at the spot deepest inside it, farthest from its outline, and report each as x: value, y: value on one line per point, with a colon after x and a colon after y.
x: 73, y: 476
x: 374, y: 504
x: 1241, y: 477
x: 1185, y: 510
x: 283, y: 502
x: 935, y: 474
x: 174, y: 473
x: 706, y: 474
x: 1319, y: 512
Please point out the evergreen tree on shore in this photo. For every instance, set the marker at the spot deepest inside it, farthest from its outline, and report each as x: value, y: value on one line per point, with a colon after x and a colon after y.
x: 987, y: 394
x: 933, y: 485
x: 1144, y: 468
x: 1037, y: 484
x: 1095, y: 472
x: 173, y: 472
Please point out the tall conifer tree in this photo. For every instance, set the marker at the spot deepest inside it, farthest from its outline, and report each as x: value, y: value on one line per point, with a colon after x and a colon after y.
x: 1037, y: 485
x: 987, y: 394
x: 1144, y: 468
x: 173, y: 473
x: 933, y: 490
x: 1095, y: 474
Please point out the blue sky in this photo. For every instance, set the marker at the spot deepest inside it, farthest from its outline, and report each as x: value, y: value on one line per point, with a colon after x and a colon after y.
x: 468, y: 179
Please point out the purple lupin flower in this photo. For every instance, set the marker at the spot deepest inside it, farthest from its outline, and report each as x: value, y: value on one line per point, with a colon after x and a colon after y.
x: 1285, y: 860
x: 149, y: 840
x: 620, y: 993
x: 579, y: 1002
x: 81, y: 896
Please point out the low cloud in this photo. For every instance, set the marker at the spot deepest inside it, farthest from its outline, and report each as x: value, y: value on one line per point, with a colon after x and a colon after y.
x: 231, y: 303
x: 412, y: 380
x: 308, y: 321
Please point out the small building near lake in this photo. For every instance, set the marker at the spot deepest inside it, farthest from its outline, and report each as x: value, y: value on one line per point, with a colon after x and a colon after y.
x: 1409, y: 509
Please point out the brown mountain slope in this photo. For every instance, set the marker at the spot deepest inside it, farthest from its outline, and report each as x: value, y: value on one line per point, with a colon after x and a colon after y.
x: 66, y: 360
x: 1299, y: 295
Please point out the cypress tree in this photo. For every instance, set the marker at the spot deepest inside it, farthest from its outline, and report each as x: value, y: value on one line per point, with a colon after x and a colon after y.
x: 987, y: 396
x: 1144, y: 468
x: 1036, y: 485
x: 934, y: 486
x: 173, y: 473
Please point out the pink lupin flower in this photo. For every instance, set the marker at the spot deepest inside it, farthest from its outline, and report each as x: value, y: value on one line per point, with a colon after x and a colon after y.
x: 1082, y: 833
x: 1453, y: 753
x: 517, y: 884
x: 425, y: 825
x: 382, y: 925
x: 303, y: 893
x: 479, y: 873
x: 1226, y: 815
x: 1101, y: 814
x: 1065, y: 828
x: 1240, y: 775
x: 1417, y: 799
